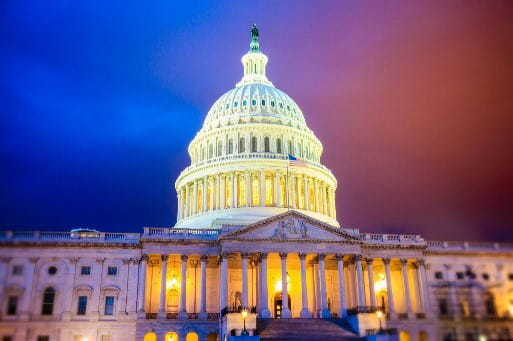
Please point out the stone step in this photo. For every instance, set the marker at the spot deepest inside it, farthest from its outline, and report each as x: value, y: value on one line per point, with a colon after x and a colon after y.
x: 304, y: 329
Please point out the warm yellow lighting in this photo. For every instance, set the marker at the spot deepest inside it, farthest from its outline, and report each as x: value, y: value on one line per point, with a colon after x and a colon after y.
x: 380, y: 284
x: 482, y: 338
x: 379, y: 313
x: 244, y: 313
x: 510, y: 309
x: 278, y: 284
x: 172, y: 283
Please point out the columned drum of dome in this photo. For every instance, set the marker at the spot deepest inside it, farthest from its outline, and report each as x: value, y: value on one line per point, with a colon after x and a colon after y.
x: 239, y: 169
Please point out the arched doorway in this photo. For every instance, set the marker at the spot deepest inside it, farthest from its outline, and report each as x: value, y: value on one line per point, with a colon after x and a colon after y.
x: 278, y: 304
x: 212, y: 337
x: 423, y: 336
x: 404, y: 336
x: 171, y: 336
x: 150, y: 337
x: 191, y: 336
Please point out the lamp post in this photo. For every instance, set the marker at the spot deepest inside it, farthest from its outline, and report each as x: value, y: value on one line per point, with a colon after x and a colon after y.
x: 380, y: 315
x: 244, y: 330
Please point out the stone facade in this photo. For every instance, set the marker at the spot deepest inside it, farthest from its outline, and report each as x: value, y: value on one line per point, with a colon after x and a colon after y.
x: 254, y: 234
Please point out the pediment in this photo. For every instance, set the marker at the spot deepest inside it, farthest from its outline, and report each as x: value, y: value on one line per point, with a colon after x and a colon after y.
x: 290, y: 226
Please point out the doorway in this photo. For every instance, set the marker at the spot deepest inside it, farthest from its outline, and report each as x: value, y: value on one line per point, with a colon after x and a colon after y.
x: 278, y: 304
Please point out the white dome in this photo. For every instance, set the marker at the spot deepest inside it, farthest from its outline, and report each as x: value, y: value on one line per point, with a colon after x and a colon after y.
x: 255, y: 102
x: 240, y: 170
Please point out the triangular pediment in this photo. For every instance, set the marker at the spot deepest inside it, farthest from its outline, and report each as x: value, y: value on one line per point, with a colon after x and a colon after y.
x: 290, y: 226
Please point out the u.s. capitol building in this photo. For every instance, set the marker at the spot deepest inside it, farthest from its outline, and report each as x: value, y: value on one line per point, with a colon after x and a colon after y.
x: 257, y: 249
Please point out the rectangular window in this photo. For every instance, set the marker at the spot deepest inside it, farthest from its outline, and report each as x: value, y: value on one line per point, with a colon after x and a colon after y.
x: 109, y: 305
x: 17, y: 270
x: 43, y: 338
x: 82, y: 305
x: 460, y: 275
x: 439, y: 275
x: 112, y: 270
x: 85, y: 270
x: 12, y: 305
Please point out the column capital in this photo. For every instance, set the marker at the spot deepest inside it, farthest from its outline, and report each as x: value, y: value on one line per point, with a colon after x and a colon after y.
x: 263, y: 255
x: 74, y: 260
x: 34, y: 260
x: 204, y: 258
x: 184, y: 258
x: 302, y: 256
x: 127, y: 260
x: 224, y: 255
x: 387, y: 260
x: 100, y: 260
x: 339, y: 256
x: 358, y: 258
x: 447, y: 266
x: 244, y: 255
x: 144, y: 258
x: 321, y: 256
x: 283, y: 255
x: 5, y: 259
x: 164, y: 258
x: 404, y: 261
x: 369, y: 261
x: 421, y: 262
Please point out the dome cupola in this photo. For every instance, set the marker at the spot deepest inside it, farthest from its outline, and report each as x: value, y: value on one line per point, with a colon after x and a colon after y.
x: 240, y: 170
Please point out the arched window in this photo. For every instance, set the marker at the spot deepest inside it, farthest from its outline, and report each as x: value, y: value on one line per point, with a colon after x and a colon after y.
x: 242, y: 145
x: 219, y: 148
x: 230, y: 146
x: 210, y: 151
x: 48, y: 301
x: 267, y: 148
x: 150, y: 337
x: 278, y: 146
x: 254, y: 144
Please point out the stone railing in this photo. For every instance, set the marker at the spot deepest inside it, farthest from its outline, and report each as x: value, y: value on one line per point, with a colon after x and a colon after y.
x: 249, y: 156
x: 469, y: 246
x: 42, y: 236
x: 376, y: 238
x: 180, y: 233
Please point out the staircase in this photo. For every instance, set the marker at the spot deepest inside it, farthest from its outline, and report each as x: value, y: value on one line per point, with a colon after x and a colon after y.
x: 304, y: 329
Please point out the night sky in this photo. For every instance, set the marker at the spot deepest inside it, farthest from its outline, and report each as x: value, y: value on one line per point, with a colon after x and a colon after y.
x: 413, y: 102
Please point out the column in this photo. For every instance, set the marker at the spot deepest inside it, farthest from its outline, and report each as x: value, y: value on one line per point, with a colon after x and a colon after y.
x: 234, y: 191
x: 141, y: 289
x: 182, y: 314
x: 305, y: 312
x: 25, y: 307
x: 277, y: 191
x: 390, y: 291
x: 244, y: 257
x: 298, y: 191
x: 218, y: 192
x: 359, y: 273
x: 262, y: 188
x: 341, y: 289
x: 324, y: 200
x: 325, y: 313
x: 247, y: 183
x: 407, y: 296
x: 195, y: 197
x: 223, y: 192
x: 370, y: 273
x: 204, y: 194
x: 163, y: 275
x: 264, y: 301
x: 187, y: 200
x: 179, y: 201
x: 132, y: 287
x: 292, y: 195
x: 285, y: 311
x: 307, y: 194
x: 333, y: 206
x: 68, y: 298
x: 223, y: 302
x: 424, y: 291
x: 316, y: 195
x: 203, y: 299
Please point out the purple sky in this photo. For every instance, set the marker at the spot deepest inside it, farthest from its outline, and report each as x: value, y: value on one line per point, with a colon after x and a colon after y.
x: 413, y: 102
